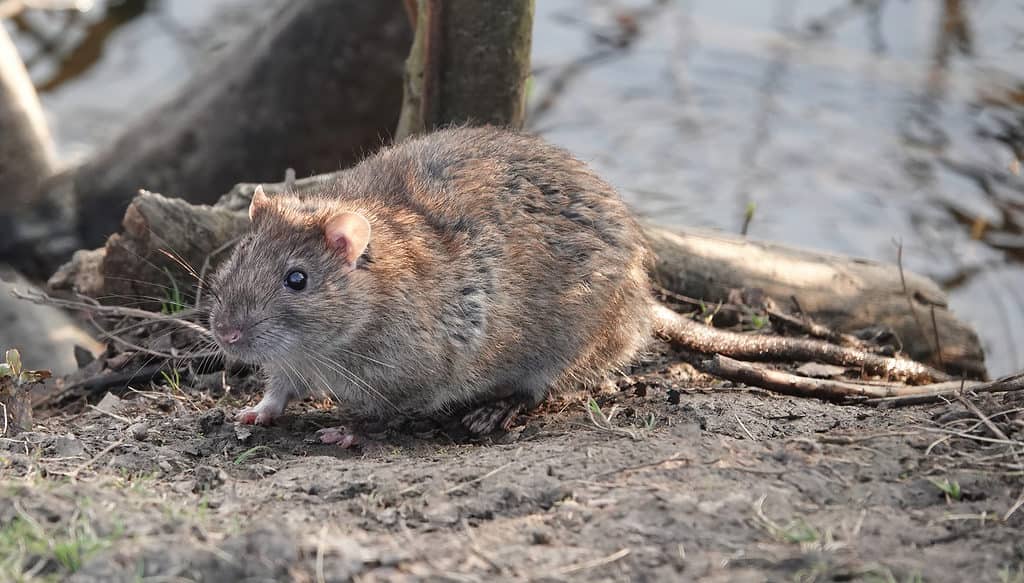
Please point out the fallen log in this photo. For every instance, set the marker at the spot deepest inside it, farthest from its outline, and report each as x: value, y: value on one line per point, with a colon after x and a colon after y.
x: 165, y: 240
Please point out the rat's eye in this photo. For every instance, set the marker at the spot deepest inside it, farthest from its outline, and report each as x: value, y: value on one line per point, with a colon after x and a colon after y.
x: 295, y: 280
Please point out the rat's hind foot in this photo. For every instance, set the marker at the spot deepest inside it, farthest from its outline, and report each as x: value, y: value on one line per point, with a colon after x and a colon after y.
x: 488, y: 418
x: 340, y: 435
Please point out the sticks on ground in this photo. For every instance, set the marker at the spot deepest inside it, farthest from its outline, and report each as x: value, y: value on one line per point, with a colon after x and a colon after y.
x: 92, y: 306
x: 948, y: 390
x: 697, y: 337
x: 886, y: 394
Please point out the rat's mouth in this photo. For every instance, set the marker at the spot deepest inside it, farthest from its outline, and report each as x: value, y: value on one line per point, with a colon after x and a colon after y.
x: 243, y: 354
x: 253, y: 349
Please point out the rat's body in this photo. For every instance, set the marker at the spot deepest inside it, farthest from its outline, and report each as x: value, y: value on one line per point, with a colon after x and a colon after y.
x: 498, y: 269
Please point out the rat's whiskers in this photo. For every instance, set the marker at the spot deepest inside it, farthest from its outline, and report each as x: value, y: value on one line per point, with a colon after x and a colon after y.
x: 341, y: 369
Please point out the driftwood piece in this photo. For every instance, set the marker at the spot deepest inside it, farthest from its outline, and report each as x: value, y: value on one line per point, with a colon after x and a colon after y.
x: 157, y: 258
x: 845, y: 294
x: 691, y: 263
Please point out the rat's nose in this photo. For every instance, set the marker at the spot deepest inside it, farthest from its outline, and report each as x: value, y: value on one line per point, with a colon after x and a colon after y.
x: 228, y: 335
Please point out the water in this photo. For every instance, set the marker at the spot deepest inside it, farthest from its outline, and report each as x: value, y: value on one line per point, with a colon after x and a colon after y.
x: 850, y: 125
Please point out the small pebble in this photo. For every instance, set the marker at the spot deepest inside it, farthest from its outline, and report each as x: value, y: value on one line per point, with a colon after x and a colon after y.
x: 243, y: 432
x: 139, y: 431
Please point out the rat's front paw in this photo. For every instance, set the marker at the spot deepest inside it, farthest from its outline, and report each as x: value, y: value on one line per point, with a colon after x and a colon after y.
x: 256, y: 416
x: 266, y: 411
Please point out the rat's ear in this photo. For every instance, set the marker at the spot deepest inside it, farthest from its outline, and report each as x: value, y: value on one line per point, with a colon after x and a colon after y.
x: 260, y: 203
x: 348, y: 234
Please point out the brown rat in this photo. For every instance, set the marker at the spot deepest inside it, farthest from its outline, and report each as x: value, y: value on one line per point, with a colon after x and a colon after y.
x: 465, y: 269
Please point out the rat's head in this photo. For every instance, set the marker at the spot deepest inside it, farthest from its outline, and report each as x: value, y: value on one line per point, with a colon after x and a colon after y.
x: 295, y: 284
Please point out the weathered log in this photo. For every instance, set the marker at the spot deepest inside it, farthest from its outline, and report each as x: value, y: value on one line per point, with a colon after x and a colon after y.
x: 156, y: 260
x: 843, y: 293
x: 846, y: 294
x: 26, y: 149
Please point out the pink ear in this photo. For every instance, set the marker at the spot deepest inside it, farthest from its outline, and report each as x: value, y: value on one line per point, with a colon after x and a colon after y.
x: 348, y: 234
x: 260, y: 203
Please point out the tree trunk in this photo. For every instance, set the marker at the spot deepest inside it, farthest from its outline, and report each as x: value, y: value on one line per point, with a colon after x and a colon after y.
x: 469, y: 64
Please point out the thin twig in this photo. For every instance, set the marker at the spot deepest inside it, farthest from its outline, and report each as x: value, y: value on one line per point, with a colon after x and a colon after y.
x: 906, y: 291
x: 949, y: 390
x: 672, y: 458
x: 109, y: 414
x: 809, y: 326
x: 102, y: 382
x: 969, y: 436
x: 744, y: 427
x: 74, y: 473
x: 209, y: 258
x: 594, y: 563
x: 120, y: 340
x: 321, y: 542
x: 789, y: 384
x: 850, y: 440
x: 478, y: 479
x: 938, y: 344
x: 984, y: 419
x: 1016, y: 506
x: 90, y: 305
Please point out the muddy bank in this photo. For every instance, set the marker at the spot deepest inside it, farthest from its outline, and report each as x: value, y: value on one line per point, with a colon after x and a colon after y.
x: 687, y: 481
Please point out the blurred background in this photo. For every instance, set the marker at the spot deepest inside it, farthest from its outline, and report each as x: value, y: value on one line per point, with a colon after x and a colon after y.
x: 852, y: 126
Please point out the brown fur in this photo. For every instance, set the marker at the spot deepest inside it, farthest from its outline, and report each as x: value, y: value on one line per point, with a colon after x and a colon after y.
x: 499, y: 268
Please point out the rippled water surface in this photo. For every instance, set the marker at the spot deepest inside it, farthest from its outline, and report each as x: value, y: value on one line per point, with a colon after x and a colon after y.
x: 849, y: 125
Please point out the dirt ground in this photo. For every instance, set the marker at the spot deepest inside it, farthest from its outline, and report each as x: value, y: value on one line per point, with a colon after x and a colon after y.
x: 656, y: 480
